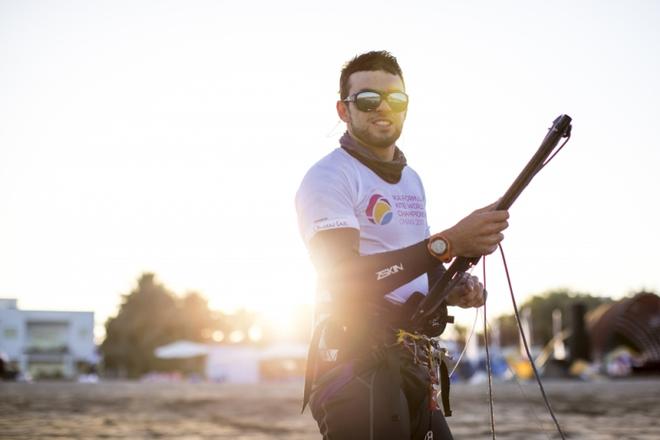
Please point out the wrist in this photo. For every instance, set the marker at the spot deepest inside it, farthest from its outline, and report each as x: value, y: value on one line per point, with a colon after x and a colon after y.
x: 455, y: 241
x: 440, y: 247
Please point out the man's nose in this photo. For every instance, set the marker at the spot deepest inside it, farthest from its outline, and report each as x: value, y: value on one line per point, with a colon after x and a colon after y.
x: 384, y: 106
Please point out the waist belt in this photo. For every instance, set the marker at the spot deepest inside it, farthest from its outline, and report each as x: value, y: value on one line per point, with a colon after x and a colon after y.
x: 349, y: 359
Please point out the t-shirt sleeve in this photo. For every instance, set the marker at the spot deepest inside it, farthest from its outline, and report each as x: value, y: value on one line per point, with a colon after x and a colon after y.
x: 325, y: 201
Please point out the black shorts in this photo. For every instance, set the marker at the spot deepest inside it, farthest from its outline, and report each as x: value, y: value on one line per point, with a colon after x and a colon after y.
x: 377, y: 405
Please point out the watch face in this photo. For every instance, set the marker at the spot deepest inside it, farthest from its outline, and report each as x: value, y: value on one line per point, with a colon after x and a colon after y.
x: 438, y: 246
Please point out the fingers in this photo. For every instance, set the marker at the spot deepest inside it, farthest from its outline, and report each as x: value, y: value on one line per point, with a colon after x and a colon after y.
x: 495, y: 217
x: 490, y: 234
x: 493, y: 228
x: 491, y: 222
x: 478, y: 233
x: 486, y: 244
x: 492, y: 239
x: 469, y: 293
x: 475, y: 296
x: 492, y: 207
x: 488, y: 208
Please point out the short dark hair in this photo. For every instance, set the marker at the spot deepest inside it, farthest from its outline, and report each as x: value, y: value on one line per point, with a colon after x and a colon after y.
x: 368, y: 62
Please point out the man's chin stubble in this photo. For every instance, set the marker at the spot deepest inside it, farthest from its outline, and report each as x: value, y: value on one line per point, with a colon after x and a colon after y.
x: 380, y: 143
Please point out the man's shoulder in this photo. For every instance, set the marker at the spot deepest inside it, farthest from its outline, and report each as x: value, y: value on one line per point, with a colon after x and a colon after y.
x: 335, y: 159
x: 336, y: 164
x: 412, y: 173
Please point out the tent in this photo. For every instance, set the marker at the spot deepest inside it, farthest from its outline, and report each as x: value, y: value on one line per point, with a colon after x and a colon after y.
x: 181, y: 350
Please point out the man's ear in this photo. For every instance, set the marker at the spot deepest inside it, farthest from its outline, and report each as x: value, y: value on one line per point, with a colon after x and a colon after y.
x: 342, y: 110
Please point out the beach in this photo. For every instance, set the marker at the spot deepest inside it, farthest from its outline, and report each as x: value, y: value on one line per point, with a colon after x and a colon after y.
x: 602, y: 410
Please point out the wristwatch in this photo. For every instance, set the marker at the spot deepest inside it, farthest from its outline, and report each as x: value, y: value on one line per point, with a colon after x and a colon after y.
x: 440, y: 248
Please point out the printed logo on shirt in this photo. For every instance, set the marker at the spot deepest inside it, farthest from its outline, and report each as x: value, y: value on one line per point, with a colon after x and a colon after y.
x: 409, y: 209
x: 379, y: 210
x: 325, y: 223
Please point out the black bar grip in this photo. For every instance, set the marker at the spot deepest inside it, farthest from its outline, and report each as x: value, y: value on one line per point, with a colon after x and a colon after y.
x: 559, y: 129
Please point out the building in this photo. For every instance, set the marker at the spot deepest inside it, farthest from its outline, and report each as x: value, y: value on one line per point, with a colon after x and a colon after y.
x: 47, y: 344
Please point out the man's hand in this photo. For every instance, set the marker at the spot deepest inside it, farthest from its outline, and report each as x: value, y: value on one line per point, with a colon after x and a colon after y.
x: 468, y: 293
x: 479, y: 233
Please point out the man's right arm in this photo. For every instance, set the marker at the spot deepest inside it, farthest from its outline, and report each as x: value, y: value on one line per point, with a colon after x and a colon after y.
x: 346, y: 273
x: 343, y: 271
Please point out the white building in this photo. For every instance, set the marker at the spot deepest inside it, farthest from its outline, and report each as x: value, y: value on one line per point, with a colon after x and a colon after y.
x: 47, y: 343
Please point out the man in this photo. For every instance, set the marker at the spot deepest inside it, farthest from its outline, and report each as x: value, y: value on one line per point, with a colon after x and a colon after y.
x: 361, y: 212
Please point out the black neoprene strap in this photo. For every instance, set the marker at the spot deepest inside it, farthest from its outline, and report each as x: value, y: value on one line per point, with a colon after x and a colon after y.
x: 373, y: 276
x: 444, y: 388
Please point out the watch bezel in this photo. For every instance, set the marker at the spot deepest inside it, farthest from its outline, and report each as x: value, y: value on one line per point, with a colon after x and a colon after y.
x: 445, y: 255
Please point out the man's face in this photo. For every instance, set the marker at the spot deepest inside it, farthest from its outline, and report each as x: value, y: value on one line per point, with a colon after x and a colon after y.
x: 379, y: 128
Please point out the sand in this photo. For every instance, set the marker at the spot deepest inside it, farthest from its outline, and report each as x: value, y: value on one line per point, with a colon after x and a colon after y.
x: 622, y: 409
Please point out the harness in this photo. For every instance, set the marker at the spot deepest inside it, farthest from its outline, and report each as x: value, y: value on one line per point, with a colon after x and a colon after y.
x: 345, y: 346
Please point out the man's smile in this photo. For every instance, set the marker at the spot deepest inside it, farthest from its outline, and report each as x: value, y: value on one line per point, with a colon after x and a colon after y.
x: 382, y: 122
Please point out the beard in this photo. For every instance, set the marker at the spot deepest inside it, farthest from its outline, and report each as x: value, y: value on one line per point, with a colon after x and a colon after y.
x: 377, y: 140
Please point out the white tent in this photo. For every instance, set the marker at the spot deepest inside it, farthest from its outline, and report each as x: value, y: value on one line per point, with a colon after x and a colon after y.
x: 181, y: 350
x: 292, y: 350
x: 234, y: 364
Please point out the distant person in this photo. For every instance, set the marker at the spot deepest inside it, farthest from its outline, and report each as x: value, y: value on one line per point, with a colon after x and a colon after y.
x: 6, y: 372
x: 362, y: 215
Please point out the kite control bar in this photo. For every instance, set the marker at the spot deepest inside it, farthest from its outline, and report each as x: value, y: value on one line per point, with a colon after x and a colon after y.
x: 561, y: 128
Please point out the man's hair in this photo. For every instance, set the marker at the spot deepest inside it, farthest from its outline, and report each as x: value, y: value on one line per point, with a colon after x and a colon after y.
x: 368, y: 62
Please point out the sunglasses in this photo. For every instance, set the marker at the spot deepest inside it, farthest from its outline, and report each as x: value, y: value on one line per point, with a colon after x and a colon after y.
x: 369, y: 100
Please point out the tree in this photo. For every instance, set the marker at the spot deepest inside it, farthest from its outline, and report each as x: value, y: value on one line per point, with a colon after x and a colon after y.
x: 151, y: 316
x: 196, y: 321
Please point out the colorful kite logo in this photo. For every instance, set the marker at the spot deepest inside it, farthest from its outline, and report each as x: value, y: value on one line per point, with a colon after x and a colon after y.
x: 379, y: 210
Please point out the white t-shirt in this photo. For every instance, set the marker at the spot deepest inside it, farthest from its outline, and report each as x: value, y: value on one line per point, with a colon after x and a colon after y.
x: 340, y: 192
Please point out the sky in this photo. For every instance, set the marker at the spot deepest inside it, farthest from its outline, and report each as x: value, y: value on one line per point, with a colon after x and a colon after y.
x: 171, y: 137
